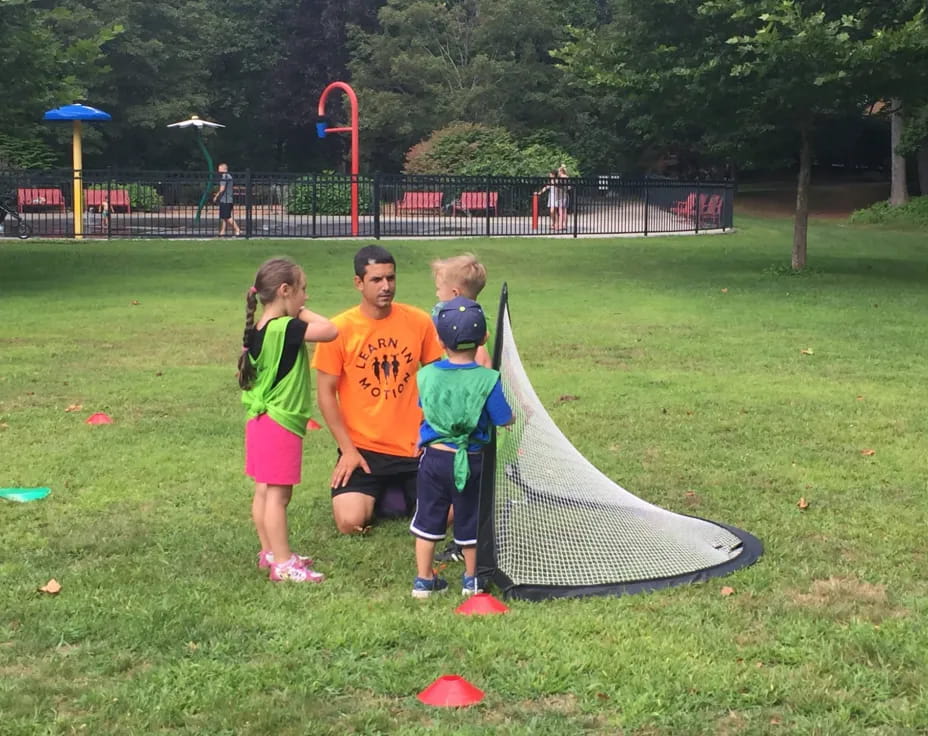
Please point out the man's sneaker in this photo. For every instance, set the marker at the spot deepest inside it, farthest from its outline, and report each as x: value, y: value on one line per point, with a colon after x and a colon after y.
x: 451, y: 553
x: 293, y: 571
x: 471, y: 584
x: 266, y: 559
x: 424, y: 587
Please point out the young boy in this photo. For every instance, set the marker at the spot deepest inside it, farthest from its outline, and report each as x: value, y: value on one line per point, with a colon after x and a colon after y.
x: 460, y: 399
x: 465, y: 276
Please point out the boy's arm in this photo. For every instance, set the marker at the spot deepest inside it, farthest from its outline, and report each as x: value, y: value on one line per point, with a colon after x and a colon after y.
x: 351, y: 459
x: 501, y: 414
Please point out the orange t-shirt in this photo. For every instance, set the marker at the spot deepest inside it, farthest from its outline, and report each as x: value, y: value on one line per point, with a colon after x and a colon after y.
x: 376, y: 362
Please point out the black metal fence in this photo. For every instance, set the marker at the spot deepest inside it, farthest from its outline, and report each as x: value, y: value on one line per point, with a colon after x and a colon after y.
x: 180, y: 205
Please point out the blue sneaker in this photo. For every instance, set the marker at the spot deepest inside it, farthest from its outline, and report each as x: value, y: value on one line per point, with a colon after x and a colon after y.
x: 424, y: 587
x: 471, y: 584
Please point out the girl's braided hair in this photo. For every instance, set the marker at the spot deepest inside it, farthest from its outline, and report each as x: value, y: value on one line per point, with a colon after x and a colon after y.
x: 270, y: 276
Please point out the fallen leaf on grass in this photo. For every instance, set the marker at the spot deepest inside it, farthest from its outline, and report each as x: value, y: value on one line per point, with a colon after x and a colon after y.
x: 4, y: 425
x: 727, y: 590
x: 690, y: 494
x: 807, y: 351
x: 568, y: 397
x: 860, y: 398
x: 868, y: 453
x: 724, y: 291
x: 75, y: 407
x: 135, y: 302
x: 774, y: 721
x: 802, y: 504
x: 52, y: 587
x: 192, y: 646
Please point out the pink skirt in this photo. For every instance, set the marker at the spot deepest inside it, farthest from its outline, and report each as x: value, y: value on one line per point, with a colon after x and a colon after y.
x: 273, y: 455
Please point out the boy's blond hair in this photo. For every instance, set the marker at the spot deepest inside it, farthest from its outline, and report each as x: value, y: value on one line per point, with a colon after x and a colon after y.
x: 463, y: 272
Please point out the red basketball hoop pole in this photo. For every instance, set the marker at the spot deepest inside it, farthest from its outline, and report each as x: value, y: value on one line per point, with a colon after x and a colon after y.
x: 353, y: 129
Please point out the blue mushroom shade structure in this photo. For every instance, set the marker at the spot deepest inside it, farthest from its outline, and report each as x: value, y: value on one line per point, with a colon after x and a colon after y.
x: 198, y: 123
x: 77, y: 113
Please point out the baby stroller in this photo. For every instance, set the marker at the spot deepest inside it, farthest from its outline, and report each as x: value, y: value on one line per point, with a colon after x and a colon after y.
x: 17, y: 224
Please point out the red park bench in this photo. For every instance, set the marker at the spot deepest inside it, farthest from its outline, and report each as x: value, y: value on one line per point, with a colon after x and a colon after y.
x: 475, y: 201
x: 35, y: 198
x: 419, y: 202
x: 118, y: 199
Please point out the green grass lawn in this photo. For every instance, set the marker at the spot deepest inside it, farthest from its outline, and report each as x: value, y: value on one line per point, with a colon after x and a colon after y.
x: 685, y: 354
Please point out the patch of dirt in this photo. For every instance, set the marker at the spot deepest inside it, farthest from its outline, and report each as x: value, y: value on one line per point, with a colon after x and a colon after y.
x: 848, y: 598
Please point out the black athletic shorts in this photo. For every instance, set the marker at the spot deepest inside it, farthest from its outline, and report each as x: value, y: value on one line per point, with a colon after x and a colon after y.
x: 225, y: 210
x: 387, y: 472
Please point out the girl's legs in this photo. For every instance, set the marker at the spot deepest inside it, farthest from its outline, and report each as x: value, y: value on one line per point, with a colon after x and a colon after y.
x: 553, y: 211
x: 562, y: 218
x: 275, y: 520
x: 257, y: 514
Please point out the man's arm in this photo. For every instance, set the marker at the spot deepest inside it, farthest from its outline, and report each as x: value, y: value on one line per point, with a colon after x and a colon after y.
x: 351, y: 459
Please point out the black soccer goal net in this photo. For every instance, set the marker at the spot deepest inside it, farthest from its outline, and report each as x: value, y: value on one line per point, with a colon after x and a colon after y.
x: 552, y: 525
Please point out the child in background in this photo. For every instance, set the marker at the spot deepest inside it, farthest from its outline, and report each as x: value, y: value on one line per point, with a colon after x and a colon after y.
x: 460, y: 400
x: 465, y: 276
x: 273, y: 371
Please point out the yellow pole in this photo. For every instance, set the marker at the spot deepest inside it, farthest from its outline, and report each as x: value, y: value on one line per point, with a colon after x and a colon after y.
x: 78, y: 200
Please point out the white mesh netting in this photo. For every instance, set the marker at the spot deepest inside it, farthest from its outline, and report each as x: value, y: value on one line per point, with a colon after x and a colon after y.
x: 561, y: 522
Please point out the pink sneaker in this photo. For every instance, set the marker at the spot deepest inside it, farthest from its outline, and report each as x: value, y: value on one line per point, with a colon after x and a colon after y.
x: 294, y: 572
x: 266, y: 559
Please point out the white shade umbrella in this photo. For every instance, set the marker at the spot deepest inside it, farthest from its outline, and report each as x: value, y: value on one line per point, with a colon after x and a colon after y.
x: 196, y: 122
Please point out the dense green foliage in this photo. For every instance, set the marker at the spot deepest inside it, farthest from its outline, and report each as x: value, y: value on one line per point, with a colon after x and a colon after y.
x: 332, y: 196
x: 469, y: 149
x: 914, y: 213
x: 665, y: 86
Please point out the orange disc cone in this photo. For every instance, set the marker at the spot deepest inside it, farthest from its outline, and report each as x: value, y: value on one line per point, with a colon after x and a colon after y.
x: 313, y: 424
x: 451, y: 691
x: 99, y: 418
x: 481, y: 604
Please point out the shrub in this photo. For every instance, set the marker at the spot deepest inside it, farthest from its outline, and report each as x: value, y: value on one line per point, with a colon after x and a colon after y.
x: 914, y: 212
x: 333, y: 195
x: 470, y: 149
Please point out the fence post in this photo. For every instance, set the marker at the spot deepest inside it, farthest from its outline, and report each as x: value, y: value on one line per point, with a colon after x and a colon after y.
x: 487, y: 203
x: 376, y: 198
x: 313, y: 234
x: 248, y: 204
x: 698, y: 205
x: 647, y: 205
x: 576, y: 204
x: 108, y: 215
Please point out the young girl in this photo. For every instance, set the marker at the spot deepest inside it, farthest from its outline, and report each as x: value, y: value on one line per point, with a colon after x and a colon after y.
x: 273, y: 372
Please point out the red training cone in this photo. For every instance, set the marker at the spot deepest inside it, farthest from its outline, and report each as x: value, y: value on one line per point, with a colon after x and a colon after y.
x: 99, y: 418
x: 313, y: 424
x: 481, y: 604
x: 451, y: 691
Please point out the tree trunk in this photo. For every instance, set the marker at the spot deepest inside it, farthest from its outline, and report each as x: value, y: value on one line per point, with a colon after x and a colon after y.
x: 923, y: 170
x: 899, y: 192
x: 801, y: 223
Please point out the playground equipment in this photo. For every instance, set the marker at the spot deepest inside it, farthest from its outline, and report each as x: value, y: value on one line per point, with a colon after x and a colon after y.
x: 199, y: 124
x: 77, y: 113
x: 322, y: 130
